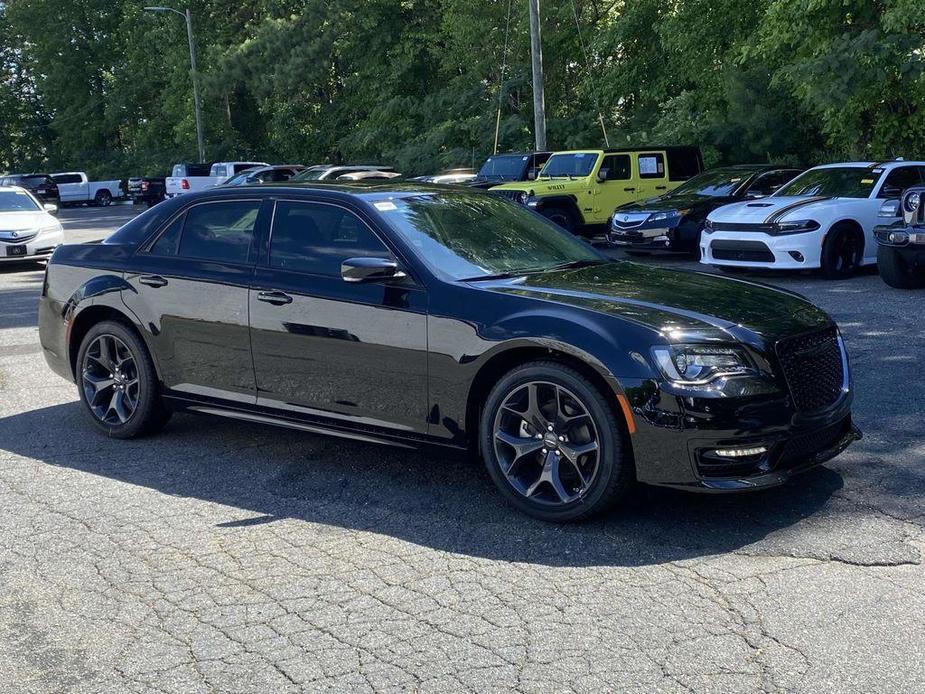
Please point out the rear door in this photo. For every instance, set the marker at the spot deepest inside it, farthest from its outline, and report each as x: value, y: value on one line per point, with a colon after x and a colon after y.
x: 71, y: 188
x: 353, y: 352
x: 191, y: 286
x: 652, y: 174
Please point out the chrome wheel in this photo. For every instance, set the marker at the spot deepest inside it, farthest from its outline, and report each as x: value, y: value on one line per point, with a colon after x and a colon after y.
x: 109, y: 378
x: 546, y: 443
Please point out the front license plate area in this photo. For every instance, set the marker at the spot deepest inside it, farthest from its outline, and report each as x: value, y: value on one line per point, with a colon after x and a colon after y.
x: 15, y: 251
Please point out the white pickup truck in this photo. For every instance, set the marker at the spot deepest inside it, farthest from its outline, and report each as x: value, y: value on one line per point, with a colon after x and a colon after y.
x: 188, y: 178
x: 74, y: 187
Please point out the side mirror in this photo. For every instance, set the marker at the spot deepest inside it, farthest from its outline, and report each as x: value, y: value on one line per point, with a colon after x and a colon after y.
x: 531, y: 175
x: 370, y: 270
x: 602, y: 175
x: 49, y: 208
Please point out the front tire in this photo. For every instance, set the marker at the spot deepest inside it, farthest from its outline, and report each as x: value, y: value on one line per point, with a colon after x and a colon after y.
x: 842, y: 252
x: 560, y: 216
x: 552, y: 444
x: 117, y: 383
x: 896, y: 272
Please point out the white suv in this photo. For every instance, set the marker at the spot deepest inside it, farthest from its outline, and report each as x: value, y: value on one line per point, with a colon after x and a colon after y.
x: 823, y: 219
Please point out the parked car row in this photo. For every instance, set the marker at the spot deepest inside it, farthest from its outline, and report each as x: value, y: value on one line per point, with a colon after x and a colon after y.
x: 69, y: 188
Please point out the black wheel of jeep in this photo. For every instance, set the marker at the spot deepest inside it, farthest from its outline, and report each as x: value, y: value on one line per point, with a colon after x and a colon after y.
x: 103, y: 198
x: 842, y: 252
x: 552, y: 444
x: 896, y: 272
x: 560, y: 216
x: 117, y: 382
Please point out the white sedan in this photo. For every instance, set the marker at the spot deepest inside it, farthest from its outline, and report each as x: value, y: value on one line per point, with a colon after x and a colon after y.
x: 28, y: 231
x: 823, y: 219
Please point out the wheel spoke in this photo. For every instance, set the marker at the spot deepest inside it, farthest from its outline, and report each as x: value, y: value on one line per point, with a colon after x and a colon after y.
x: 522, y: 445
x: 555, y: 480
x: 120, y: 407
x: 106, y: 358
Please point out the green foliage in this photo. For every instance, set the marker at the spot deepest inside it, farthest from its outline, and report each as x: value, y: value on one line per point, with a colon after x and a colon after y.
x: 104, y: 86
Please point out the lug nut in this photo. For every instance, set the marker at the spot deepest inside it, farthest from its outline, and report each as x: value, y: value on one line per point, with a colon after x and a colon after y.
x: 562, y: 438
x: 549, y: 427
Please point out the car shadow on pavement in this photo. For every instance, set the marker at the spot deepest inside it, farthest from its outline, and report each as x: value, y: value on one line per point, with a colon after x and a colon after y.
x: 444, y: 503
x: 19, y: 305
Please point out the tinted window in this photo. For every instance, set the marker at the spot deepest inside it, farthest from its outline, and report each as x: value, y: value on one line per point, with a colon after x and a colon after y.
x: 683, y: 163
x: 651, y: 166
x: 67, y: 178
x: 504, y: 167
x: 618, y: 167
x: 316, y: 238
x: 222, y: 232
x: 768, y: 183
x: 238, y: 168
x: 898, y: 180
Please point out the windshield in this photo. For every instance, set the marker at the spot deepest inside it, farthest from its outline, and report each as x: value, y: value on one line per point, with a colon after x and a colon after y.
x: 719, y: 183
x: 578, y: 164
x: 468, y: 235
x: 311, y: 175
x: 509, y: 167
x: 17, y: 201
x: 238, y: 179
x: 838, y: 182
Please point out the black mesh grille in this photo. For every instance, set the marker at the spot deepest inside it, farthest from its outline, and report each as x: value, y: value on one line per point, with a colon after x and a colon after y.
x: 812, y: 365
x: 752, y: 251
x: 804, y: 446
x: 509, y: 194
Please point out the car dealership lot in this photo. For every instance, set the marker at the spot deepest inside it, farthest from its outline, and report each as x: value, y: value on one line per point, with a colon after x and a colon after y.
x: 224, y: 556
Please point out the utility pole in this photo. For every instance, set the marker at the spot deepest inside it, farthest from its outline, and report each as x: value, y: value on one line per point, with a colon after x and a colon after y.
x: 539, y: 100
x: 192, y: 61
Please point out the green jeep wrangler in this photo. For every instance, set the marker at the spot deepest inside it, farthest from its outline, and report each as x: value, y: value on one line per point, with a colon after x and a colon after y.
x: 579, y: 190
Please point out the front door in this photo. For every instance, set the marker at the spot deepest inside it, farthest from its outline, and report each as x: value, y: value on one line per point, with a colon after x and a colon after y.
x: 617, y: 189
x: 354, y: 352
x: 191, y: 287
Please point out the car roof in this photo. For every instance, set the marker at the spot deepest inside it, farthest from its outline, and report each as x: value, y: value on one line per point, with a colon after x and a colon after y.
x: 889, y: 164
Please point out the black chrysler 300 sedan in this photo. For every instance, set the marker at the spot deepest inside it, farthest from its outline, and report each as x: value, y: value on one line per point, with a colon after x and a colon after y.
x: 413, y: 315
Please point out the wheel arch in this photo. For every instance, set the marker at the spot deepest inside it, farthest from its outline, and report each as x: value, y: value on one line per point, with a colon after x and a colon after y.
x: 847, y: 223
x: 511, y: 356
x: 84, y: 320
x: 566, y: 202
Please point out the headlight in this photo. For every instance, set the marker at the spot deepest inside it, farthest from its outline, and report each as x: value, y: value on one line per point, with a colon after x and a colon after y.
x: 889, y: 209
x: 696, y: 365
x: 49, y: 229
x: 523, y: 198
x: 799, y: 226
x: 669, y: 214
x: 912, y: 201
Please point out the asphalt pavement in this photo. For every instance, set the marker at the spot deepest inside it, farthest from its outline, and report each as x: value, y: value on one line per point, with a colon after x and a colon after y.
x: 226, y: 557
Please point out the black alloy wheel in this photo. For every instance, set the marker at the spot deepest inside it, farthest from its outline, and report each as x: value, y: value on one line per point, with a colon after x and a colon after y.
x: 103, y: 198
x: 551, y: 443
x: 841, y: 253
x: 117, y: 382
x: 560, y: 216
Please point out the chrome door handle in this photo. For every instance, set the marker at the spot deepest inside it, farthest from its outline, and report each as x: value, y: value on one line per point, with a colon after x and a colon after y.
x: 152, y: 280
x: 275, y: 298
x: 661, y: 187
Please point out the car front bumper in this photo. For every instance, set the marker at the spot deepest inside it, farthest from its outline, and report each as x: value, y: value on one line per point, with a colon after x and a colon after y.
x: 36, y: 248
x: 909, y: 241
x: 760, y: 250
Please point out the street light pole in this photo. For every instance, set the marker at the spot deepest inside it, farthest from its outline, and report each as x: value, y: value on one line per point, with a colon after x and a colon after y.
x: 188, y: 17
x: 539, y: 100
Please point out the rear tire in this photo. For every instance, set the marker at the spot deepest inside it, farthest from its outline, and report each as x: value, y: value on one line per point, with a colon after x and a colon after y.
x: 547, y: 406
x: 842, y: 252
x: 103, y: 198
x: 896, y: 272
x: 117, y: 382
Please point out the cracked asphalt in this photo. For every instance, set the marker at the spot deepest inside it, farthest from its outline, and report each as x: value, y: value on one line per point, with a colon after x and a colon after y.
x: 224, y: 557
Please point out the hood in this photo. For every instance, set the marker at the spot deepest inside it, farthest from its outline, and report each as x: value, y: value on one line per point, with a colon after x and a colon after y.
x: 666, y: 300
x: 675, y: 202
x: 772, y: 209
x: 25, y: 221
x: 547, y: 186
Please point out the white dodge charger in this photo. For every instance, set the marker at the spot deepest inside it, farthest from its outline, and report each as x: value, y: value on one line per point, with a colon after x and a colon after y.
x: 823, y: 218
x: 28, y: 231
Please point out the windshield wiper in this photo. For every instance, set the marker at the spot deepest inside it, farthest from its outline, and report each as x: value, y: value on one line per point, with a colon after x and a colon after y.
x: 575, y: 264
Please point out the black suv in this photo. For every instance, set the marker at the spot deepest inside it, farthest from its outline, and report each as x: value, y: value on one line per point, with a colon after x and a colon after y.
x: 39, y: 184
x: 901, y: 246
x: 672, y: 222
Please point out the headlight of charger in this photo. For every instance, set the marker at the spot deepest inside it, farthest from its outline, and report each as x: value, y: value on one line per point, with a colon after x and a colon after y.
x: 799, y: 226
x: 889, y: 209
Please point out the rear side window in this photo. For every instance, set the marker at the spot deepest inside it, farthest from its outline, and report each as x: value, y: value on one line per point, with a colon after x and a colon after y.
x: 651, y: 165
x: 618, y: 167
x: 769, y: 182
x: 219, y: 170
x: 315, y: 238
x: 221, y: 232
x: 67, y: 178
x: 684, y: 163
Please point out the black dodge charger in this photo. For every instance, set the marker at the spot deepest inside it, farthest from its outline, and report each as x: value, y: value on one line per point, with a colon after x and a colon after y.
x: 672, y: 222
x: 416, y: 315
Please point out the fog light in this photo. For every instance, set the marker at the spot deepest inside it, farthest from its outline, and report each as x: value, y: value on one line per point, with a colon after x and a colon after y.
x: 739, y: 452
x: 796, y: 255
